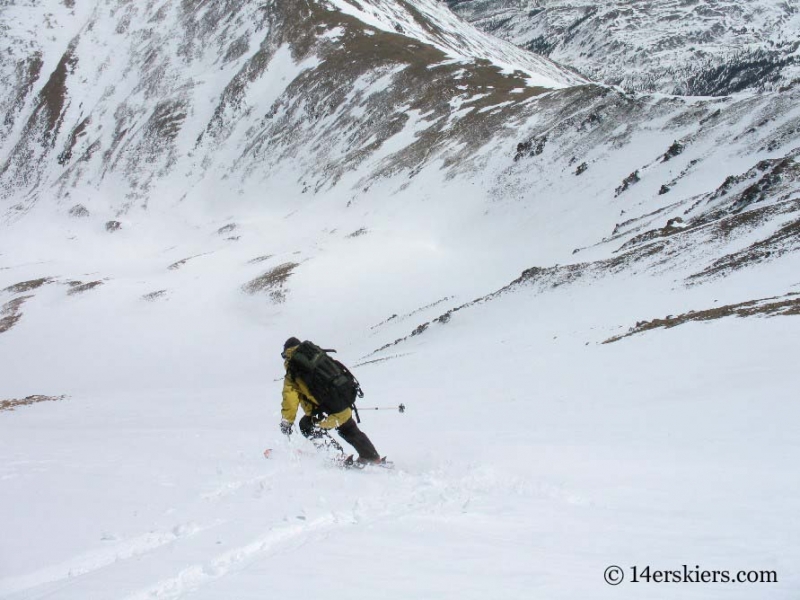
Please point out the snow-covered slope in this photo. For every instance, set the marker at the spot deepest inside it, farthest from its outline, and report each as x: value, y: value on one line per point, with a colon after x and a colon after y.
x: 142, y: 99
x: 586, y: 299
x: 709, y: 47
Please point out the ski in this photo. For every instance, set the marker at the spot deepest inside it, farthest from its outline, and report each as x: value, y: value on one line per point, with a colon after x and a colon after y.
x: 343, y: 461
x: 270, y: 453
x: 349, y: 463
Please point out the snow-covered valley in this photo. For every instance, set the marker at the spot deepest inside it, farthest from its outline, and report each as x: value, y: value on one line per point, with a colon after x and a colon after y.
x: 587, y: 300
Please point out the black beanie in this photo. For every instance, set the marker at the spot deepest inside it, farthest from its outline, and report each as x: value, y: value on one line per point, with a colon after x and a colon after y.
x: 291, y: 343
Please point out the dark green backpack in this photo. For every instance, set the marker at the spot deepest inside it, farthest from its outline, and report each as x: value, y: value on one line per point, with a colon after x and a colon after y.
x: 328, y: 380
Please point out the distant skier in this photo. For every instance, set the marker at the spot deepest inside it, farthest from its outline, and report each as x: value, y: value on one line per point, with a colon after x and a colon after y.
x: 321, y: 414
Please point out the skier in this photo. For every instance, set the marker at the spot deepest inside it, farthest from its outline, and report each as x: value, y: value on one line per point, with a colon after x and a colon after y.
x: 316, y: 423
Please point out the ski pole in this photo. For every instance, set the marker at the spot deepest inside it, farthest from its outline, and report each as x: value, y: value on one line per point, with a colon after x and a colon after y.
x: 401, y: 408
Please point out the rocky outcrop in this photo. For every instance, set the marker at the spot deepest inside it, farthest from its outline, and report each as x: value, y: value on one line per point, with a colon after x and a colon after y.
x: 686, y: 47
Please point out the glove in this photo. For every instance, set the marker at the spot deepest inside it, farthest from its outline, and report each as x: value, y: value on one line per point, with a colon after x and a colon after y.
x: 286, y: 427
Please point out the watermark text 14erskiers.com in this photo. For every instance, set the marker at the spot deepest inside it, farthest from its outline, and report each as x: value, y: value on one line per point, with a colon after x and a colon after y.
x: 615, y: 575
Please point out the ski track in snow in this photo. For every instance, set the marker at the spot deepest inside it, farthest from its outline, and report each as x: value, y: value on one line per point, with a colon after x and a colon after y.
x: 423, y: 494
x: 94, y: 561
x: 392, y: 495
x: 198, y: 575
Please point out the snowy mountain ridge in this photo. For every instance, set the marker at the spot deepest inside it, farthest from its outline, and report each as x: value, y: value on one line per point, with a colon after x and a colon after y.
x: 308, y: 97
x: 685, y: 47
x: 105, y: 111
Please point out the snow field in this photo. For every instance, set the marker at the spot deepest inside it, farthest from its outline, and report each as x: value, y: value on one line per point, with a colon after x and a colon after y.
x: 527, y: 461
